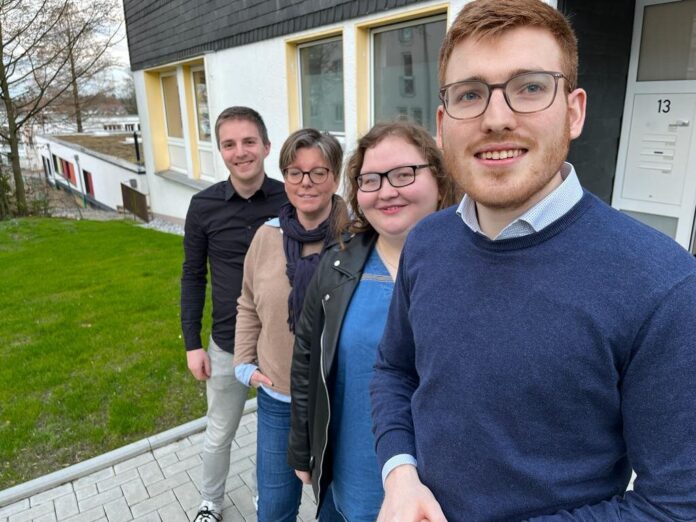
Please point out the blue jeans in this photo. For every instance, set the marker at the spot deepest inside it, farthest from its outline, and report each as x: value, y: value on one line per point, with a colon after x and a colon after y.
x: 279, y: 489
x: 329, y: 512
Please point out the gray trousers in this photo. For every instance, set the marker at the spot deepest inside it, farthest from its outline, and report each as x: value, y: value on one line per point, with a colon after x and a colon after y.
x: 226, y: 397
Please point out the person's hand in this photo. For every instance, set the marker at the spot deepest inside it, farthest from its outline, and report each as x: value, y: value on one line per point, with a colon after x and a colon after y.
x: 406, y: 499
x: 257, y: 379
x: 199, y: 363
x: 304, y: 476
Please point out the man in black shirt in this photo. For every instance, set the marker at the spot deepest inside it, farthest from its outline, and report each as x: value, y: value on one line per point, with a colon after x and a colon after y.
x: 220, y: 223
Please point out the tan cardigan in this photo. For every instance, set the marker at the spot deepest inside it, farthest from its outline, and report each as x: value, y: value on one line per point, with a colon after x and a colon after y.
x: 262, y: 334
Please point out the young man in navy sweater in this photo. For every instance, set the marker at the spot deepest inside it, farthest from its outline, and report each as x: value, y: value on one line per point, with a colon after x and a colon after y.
x: 540, y: 345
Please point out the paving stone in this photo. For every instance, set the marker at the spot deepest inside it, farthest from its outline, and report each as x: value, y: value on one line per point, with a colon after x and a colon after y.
x: 165, y: 450
x: 248, y: 420
x: 133, y: 463
x: 154, y: 492
x: 241, y: 466
x: 32, y: 513
x: 183, y: 465
x: 197, y: 437
x: 15, y: 507
x: 242, y: 499
x: 88, y: 516
x: 249, y: 478
x: 100, y: 499
x: 134, y: 492
x: 233, y: 482
x: 167, y: 460
x: 152, y: 504
x: 232, y: 514
x: 193, y: 449
x: 118, y: 511
x: 245, y: 440
x: 117, y: 480
x: 167, y: 484
x: 48, y: 496
x: 171, y: 448
x: 173, y: 513
x: 150, y: 473
x: 307, y: 510
x: 66, y: 506
x: 196, y: 476
x: 241, y: 430
x: 95, y: 477
x: 86, y: 491
x: 188, y: 495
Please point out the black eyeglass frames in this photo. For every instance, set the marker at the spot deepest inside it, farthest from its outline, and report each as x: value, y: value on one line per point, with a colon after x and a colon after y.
x: 397, y: 177
x: 294, y: 176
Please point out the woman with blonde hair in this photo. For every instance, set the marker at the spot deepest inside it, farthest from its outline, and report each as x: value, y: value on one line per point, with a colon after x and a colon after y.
x: 278, y: 267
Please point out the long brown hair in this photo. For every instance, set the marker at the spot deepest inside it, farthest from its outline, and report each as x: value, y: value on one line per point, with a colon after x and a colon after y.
x: 415, y: 135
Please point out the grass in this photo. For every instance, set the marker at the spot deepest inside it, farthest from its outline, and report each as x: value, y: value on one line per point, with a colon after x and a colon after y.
x: 91, y: 356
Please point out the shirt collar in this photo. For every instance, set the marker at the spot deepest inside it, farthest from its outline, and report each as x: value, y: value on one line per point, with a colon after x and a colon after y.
x: 553, y: 206
x: 230, y: 192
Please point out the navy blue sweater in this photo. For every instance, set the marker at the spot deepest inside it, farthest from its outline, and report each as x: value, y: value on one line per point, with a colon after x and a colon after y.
x: 529, y: 375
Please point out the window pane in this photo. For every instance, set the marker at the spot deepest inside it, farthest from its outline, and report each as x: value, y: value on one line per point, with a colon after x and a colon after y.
x: 172, y: 109
x: 668, y: 42
x: 405, y: 73
x: 321, y: 77
x: 202, y: 114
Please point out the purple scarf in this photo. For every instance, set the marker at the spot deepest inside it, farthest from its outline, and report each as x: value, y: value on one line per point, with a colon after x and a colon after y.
x: 299, y: 269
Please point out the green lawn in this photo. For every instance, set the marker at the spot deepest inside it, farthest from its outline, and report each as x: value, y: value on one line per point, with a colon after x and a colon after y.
x: 91, y: 356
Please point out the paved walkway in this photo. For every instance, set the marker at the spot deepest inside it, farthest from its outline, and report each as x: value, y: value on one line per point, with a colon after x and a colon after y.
x: 161, y: 485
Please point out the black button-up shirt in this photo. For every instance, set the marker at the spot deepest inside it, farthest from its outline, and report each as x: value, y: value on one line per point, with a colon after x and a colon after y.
x: 220, y: 225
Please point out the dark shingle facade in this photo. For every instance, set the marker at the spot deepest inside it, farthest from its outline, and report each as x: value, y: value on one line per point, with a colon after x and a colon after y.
x: 165, y: 31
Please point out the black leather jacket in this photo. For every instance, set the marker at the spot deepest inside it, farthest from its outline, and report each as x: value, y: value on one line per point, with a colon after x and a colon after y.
x: 316, y: 338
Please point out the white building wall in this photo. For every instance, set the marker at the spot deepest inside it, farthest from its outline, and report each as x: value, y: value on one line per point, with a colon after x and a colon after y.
x: 107, y: 176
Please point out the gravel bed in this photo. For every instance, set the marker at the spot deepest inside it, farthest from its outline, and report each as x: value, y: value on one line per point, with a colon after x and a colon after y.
x: 165, y: 226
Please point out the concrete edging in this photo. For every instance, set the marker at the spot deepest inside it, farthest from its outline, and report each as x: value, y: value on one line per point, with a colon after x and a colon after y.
x: 81, y: 469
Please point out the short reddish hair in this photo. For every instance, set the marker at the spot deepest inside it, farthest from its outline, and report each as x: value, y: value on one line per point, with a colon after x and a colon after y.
x: 482, y: 19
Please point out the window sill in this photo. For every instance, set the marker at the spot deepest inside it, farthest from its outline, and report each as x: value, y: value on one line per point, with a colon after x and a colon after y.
x: 183, y: 179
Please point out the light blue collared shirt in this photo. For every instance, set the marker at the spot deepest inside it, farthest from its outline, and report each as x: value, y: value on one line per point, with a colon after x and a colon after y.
x: 553, y: 206
x: 541, y: 215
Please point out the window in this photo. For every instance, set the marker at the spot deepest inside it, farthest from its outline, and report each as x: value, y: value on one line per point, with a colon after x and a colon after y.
x: 172, y: 108
x: 201, y: 104
x: 89, y: 186
x: 180, y: 120
x: 130, y: 127
x: 321, y: 85
x: 404, y: 70
x: 67, y: 169
x: 46, y: 166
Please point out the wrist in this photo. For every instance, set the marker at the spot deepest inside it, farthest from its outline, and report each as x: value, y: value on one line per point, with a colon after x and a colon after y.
x: 401, y: 475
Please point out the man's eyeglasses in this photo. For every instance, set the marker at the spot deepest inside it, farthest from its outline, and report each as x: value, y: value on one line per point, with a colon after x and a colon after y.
x: 295, y: 176
x: 524, y: 93
x: 397, y: 177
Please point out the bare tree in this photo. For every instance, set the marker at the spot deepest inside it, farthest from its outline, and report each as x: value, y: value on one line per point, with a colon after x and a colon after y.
x: 49, y: 48
x: 87, y: 34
